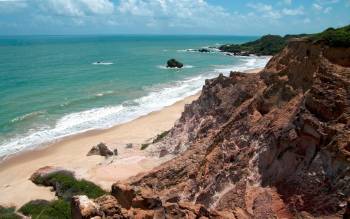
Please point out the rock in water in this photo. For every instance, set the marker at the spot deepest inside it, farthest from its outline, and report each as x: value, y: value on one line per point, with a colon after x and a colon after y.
x: 203, y: 50
x: 100, y: 149
x: 173, y: 63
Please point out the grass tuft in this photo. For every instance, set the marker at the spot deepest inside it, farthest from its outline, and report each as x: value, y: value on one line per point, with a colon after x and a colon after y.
x: 160, y: 136
x: 41, y: 209
x: 67, y: 186
x: 144, y: 146
x: 8, y: 213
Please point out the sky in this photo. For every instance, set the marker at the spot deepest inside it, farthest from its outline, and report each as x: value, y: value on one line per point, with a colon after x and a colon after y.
x: 212, y: 17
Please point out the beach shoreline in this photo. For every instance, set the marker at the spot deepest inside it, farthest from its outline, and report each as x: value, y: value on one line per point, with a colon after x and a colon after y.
x: 70, y: 153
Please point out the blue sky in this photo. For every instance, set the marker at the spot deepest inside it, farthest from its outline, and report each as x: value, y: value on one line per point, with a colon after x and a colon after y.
x: 233, y: 17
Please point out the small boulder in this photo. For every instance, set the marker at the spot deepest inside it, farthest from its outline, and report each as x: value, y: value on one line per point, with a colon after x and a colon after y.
x: 129, y: 145
x: 115, y: 152
x: 173, y: 63
x: 203, y: 50
x: 100, y: 149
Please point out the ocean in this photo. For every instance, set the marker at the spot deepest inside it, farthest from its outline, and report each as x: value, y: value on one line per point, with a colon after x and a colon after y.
x: 56, y: 86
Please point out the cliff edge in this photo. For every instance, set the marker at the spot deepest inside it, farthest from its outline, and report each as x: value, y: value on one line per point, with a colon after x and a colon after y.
x: 269, y: 145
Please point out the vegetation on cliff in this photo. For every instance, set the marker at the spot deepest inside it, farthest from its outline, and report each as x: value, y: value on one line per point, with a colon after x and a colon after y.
x: 8, y: 213
x: 272, y: 44
x: 339, y: 37
x: 66, y: 186
x: 266, y: 45
x: 44, y: 209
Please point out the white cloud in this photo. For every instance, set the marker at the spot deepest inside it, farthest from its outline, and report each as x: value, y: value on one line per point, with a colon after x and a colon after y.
x: 76, y: 8
x: 265, y: 10
x: 10, y: 6
x: 327, y: 10
x: 293, y: 12
x: 317, y: 6
x: 321, y: 6
x: 175, y: 13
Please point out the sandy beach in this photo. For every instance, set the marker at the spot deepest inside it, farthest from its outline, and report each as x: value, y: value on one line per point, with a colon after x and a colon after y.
x: 70, y: 153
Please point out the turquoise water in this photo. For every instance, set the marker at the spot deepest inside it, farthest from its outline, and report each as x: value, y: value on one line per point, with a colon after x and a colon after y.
x: 53, y: 86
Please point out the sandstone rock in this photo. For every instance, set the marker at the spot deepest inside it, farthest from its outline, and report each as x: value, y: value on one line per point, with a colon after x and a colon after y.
x: 109, y: 205
x: 40, y: 177
x: 268, y: 145
x: 124, y: 194
x: 84, y: 208
x: 173, y: 63
x: 163, y: 152
x: 285, y: 128
x: 100, y: 149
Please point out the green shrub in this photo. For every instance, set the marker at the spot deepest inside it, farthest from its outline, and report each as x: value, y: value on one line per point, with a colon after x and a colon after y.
x: 144, y: 146
x: 41, y: 209
x: 266, y: 45
x: 67, y: 186
x: 8, y: 213
x: 160, y: 136
x: 272, y: 44
x: 339, y: 37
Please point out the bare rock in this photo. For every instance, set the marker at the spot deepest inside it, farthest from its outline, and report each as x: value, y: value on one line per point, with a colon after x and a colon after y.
x: 124, y: 194
x: 173, y: 63
x: 115, y: 152
x: 109, y: 205
x: 163, y: 152
x: 269, y: 145
x: 100, y: 149
x: 40, y: 177
x: 84, y: 208
x: 286, y: 129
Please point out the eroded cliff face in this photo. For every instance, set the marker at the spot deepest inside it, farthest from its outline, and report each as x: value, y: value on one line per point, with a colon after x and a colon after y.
x: 269, y: 145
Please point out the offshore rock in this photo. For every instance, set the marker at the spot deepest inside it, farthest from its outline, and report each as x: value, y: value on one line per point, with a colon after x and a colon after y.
x: 173, y: 63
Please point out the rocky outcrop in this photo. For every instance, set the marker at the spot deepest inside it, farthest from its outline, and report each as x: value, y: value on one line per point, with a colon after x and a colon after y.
x: 173, y: 63
x: 84, y: 208
x: 219, y: 98
x: 42, y: 175
x: 133, y: 202
x: 267, y: 145
x: 102, y: 150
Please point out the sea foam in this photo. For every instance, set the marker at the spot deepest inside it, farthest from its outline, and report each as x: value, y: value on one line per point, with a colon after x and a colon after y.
x: 158, y: 97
